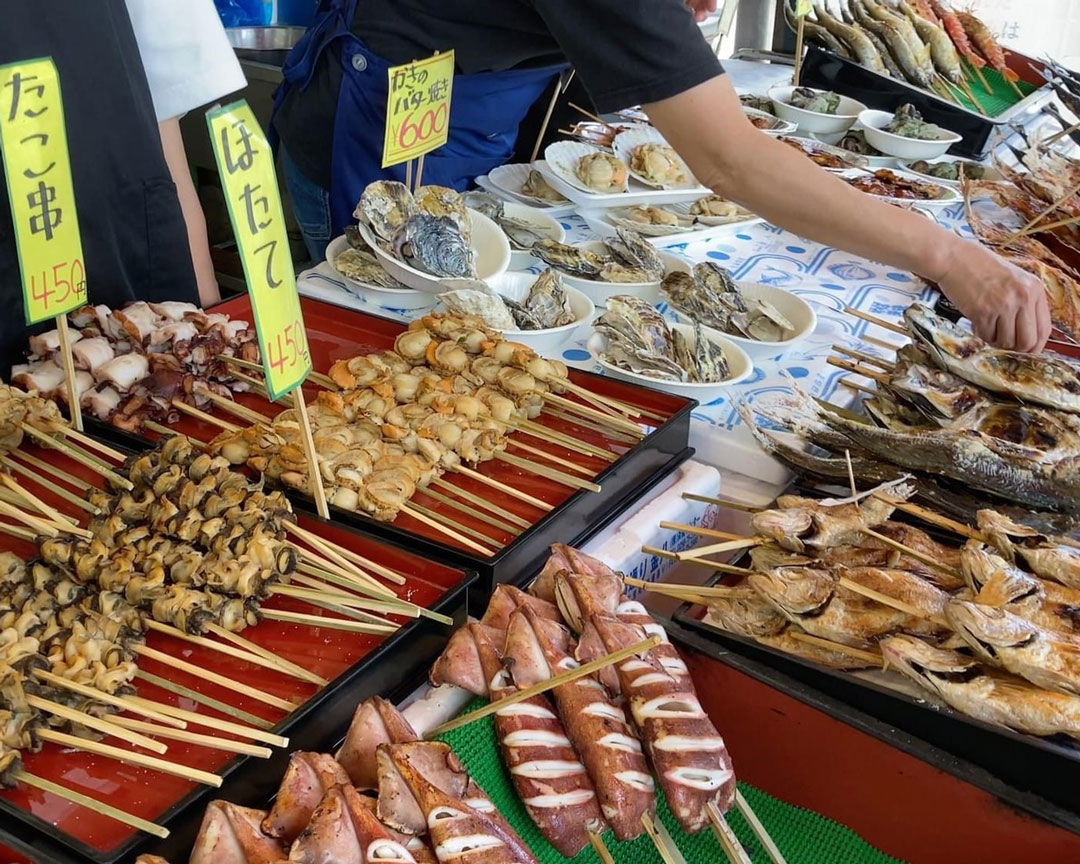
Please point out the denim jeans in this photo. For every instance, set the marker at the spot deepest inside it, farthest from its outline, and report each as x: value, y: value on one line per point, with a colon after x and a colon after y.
x: 311, y: 206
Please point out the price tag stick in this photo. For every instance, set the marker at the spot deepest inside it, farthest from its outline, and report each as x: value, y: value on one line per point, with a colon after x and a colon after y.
x: 801, y: 11
x: 419, y: 172
x: 314, y: 475
x: 69, y: 372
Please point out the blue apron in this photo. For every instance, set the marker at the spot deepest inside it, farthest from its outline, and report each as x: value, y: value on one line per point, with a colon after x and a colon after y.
x: 485, y: 115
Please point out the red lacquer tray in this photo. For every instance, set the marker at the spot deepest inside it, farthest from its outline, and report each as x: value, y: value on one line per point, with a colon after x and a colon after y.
x: 356, y: 665
x: 335, y: 333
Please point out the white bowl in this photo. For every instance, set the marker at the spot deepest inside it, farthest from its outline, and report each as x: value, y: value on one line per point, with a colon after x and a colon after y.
x: 794, y: 308
x: 599, y: 292
x: 739, y: 365
x: 780, y: 126
x: 404, y: 299
x: 625, y: 145
x: 552, y: 340
x: 548, y: 225
x: 990, y: 173
x: 815, y: 121
x: 897, y: 145
x: 488, y: 242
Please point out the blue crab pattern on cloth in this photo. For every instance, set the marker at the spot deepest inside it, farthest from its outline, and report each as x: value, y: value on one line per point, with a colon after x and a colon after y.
x: 828, y: 278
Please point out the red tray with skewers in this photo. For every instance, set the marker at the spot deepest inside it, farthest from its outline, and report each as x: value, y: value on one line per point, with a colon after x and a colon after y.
x: 574, y: 515
x: 48, y: 828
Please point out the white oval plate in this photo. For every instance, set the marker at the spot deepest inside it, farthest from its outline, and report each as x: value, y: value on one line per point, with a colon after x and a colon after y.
x: 638, y: 193
x: 601, y: 221
x: 779, y: 127
x: 625, y: 145
x: 990, y: 173
x: 507, y: 180
x: 562, y: 157
x: 950, y: 195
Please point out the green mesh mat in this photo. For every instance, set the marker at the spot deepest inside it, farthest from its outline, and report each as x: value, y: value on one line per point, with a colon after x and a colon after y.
x: 1000, y: 97
x: 803, y: 836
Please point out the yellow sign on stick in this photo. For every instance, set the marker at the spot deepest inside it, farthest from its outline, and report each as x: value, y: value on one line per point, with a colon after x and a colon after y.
x: 33, y: 139
x: 418, y: 108
x: 803, y: 8
x: 246, y: 164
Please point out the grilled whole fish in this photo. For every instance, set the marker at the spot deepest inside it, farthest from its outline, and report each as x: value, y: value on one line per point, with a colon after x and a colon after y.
x: 306, y: 780
x: 536, y: 650
x: 1047, y: 658
x: 805, y: 523
x: 231, y: 835
x: 375, y: 722
x: 688, y: 755
x: 1046, y: 379
x: 982, y: 693
x: 544, y: 767
x: 423, y: 789
x: 857, y: 42
x: 1045, y: 557
x: 936, y: 394
x: 1043, y: 603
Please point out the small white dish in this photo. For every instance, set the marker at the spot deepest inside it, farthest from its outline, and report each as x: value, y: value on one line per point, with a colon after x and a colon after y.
x: 563, y: 157
x: 739, y: 366
x: 508, y: 180
x: 813, y: 145
x: 794, y: 308
x: 549, y: 341
x: 488, y: 242
x: 989, y: 173
x: 771, y: 125
x: 874, y: 123
x: 548, y: 226
x: 553, y: 210
x: 948, y: 195
x: 599, y: 292
x: 637, y: 193
x: 627, y: 142
x: 815, y: 121
x: 397, y: 298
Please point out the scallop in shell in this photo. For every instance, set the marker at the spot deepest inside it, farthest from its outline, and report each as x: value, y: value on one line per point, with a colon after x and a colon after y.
x: 602, y: 172
x: 435, y: 245
x: 658, y: 164
x: 386, y: 205
x: 535, y: 186
x: 650, y: 221
x: 717, y: 210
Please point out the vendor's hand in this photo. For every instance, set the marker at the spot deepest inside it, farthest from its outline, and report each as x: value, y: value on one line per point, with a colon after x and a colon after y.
x: 1006, y: 305
x: 702, y: 9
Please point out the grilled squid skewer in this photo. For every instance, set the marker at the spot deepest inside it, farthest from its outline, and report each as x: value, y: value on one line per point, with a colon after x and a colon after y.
x: 343, y: 828
x: 546, y: 771
x: 537, y: 650
x: 687, y: 753
x: 375, y: 722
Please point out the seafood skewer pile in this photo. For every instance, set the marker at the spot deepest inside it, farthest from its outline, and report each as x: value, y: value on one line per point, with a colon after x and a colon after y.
x: 131, y: 363
x: 1000, y: 422
x: 837, y: 582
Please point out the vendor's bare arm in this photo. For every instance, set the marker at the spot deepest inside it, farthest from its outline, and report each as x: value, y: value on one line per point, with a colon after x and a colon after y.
x: 707, y: 126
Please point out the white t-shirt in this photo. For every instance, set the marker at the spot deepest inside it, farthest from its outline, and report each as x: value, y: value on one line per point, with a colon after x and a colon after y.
x: 188, y: 59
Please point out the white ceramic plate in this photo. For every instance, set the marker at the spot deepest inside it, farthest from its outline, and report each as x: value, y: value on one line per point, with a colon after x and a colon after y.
x: 397, y: 298
x: 599, y: 292
x: 547, y: 225
x: 601, y: 221
x: 739, y: 365
x: 851, y: 160
x: 814, y: 121
x: 551, y: 341
x: 507, y: 180
x: 874, y: 123
x: 488, y: 242
x: 779, y: 125
x: 638, y: 193
x: 625, y: 145
x: 563, y: 157
x: 989, y: 172
x: 794, y: 308
x: 949, y: 195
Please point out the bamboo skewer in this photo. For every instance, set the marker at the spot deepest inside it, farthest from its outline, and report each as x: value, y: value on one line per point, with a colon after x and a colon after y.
x: 502, y: 487
x: 721, y: 502
x: 675, y: 587
x: 238, y: 410
x: 343, y: 599
x: 153, y: 762
x: 933, y: 518
x: 126, y: 703
x: 479, y: 536
x: 39, y: 525
x: 332, y: 557
x: 715, y: 566
x: 858, y: 388
x: 230, y: 650
x: 881, y: 322
x: 554, y: 474
x: 574, y: 445
x: 256, y: 649
x: 192, y: 411
x: 78, y: 455
x: 315, y: 565
x: 20, y: 533
x: 443, y: 529
x: 332, y: 623
x: 67, y: 363
x: 665, y: 846
x: 598, y: 845
x: 726, y: 546
x: 210, y: 741
x: 886, y: 365
x: 347, y: 612
x: 576, y: 420
x: 907, y: 550
x: 238, y: 729
x: 699, y: 531
x: 886, y: 600
x: 43, y: 508
x: 599, y: 416
x: 213, y: 677
x: 93, y: 444
x: 110, y: 727
x: 551, y: 457
x: 474, y: 512
x: 48, y: 468
x: 544, y: 686
x: 1038, y: 217
x: 829, y: 645
x: 880, y: 377
x: 733, y: 849
x: 202, y: 699
x: 357, y: 559
x: 55, y: 488
x: 408, y: 607
x: 466, y: 495
x: 89, y: 803
x: 166, y: 432
x: 1050, y: 226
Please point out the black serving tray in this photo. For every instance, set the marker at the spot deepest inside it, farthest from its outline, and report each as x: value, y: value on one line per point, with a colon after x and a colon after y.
x: 1038, y: 775
x: 395, y: 668
x: 831, y: 72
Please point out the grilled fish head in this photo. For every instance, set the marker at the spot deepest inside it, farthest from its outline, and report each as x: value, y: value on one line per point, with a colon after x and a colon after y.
x: 980, y: 563
x: 783, y: 526
x: 923, y: 662
x: 795, y: 590
x: 987, y: 628
x: 746, y: 612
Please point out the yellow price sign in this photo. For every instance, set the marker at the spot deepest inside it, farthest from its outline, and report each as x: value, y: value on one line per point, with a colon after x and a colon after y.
x: 418, y: 108
x: 246, y: 164
x: 802, y: 8
x: 33, y: 140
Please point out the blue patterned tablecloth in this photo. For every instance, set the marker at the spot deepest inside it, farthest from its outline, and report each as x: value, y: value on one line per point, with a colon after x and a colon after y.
x: 828, y: 278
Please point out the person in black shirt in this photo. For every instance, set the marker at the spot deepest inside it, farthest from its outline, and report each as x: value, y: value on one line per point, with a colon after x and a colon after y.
x: 331, y: 114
